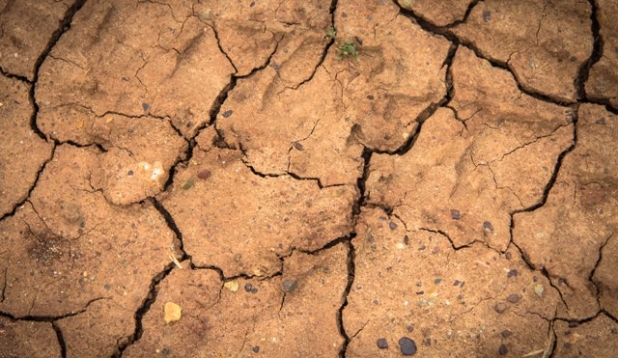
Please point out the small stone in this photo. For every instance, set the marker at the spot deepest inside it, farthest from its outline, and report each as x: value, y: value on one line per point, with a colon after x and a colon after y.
x: 188, y: 184
x: 407, y: 346
x: 513, y: 298
x: 254, y: 290
x: 299, y: 146
x: 508, y: 255
x: 231, y: 285
x: 486, y: 15
x: 392, y: 225
x: 410, y: 328
x: 488, y: 228
x: 437, y: 280
x: 382, y: 343
x: 227, y: 113
x: 512, y: 273
x: 289, y: 285
x: 204, y: 174
x: 503, y: 350
x: 601, y: 121
x: 573, y: 324
x: 145, y: 106
x: 455, y: 214
x: 255, y: 349
x: 539, y: 289
x: 500, y: 307
x: 248, y: 287
x: 172, y: 312
x: 456, y: 283
x: 506, y: 333
x: 406, y: 240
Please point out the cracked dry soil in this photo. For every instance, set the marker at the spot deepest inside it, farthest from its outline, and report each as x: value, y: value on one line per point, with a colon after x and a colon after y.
x: 457, y: 184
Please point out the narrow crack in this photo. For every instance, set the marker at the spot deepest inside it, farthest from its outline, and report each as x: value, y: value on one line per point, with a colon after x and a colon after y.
x: 595, y: 56
x: 351, y: 274
x: 446, y: 33
x: 171, y: 224
x: 34, y: 184
x: 65, y: 25
x: 151, y: 297
x: 61, y: 341
x: 42, y: 318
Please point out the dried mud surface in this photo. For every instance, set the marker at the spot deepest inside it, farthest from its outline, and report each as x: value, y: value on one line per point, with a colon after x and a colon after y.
x: 308, y: 178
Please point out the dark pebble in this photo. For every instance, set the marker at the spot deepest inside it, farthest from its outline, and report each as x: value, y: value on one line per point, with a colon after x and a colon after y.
x: 289, y: 285
x: 455, y: 214
x: 506, y: 333
x: 573, y: 324
x: 456, y: 283
x: 486, y: 15
x: 392, y: 225
x: 500, y: 307
x: 382, y: 343
x: 254, y: 290
x: 204, y: 174
x: 422, y: 247
x: 255, y: 349
x: 513, y: 298
x: 408, y: 347
x: 130, y: 173
x: 248, y: 287
x: 107, y: 287
x: 227, y: 113
x: 420, y: 292
x: 508, y: 255
x: 503, y: 350
x: 406, y: 240
x: 370, y: 97
x: 125, y: 79
x: 437, y: 280
x: 299, y: 146
x: 601, y: 121
x: 145, y: 106
x: 488, y: 228
x: 410, y: 328
x: 512, y: 273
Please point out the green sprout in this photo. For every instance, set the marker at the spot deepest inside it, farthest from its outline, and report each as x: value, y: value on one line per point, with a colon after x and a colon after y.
x: 330, y: 32
x: 347, y: 49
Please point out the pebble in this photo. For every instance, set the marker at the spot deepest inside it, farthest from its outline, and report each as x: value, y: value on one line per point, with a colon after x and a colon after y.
x: 227, y: 113
x: 506, y: 333
x: 382, y: 343
x: 289, y: 285
x: 500, y: 307
x: 513, y: 298
x: 299, y: 146
x: 204, y: 174
x: 255, y: 349
x: 407, y: 345
x: 503, y: 350
x: 512, y: 273
x: 455, y: 214
x: 248, y: 287
x: 145, y: 106
x: 437, y: 280
x: 172, y: 312
x: 392, y: 225
x: 488, y: 228
x: 539, y: 290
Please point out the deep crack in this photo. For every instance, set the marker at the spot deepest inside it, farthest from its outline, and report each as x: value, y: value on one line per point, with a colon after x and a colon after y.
x: 351, y: 272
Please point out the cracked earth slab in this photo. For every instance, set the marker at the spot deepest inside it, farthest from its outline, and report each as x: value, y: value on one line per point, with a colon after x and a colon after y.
x: 579, y: 217
x: 453, y: 184
x: 468, y: 302
x: 28, y: 339
x: 247, y: 316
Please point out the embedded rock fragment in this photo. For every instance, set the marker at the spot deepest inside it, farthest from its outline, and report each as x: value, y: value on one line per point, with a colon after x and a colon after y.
x: 22, y: 152
x: 565, y: 235
x: 543, y: 43
x: 258, y: 318
x: 247, y: 221
x: 602, y: 81
x: 412, y: 283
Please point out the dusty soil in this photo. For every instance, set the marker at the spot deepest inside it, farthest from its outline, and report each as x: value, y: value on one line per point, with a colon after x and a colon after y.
x: 308, y: 178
